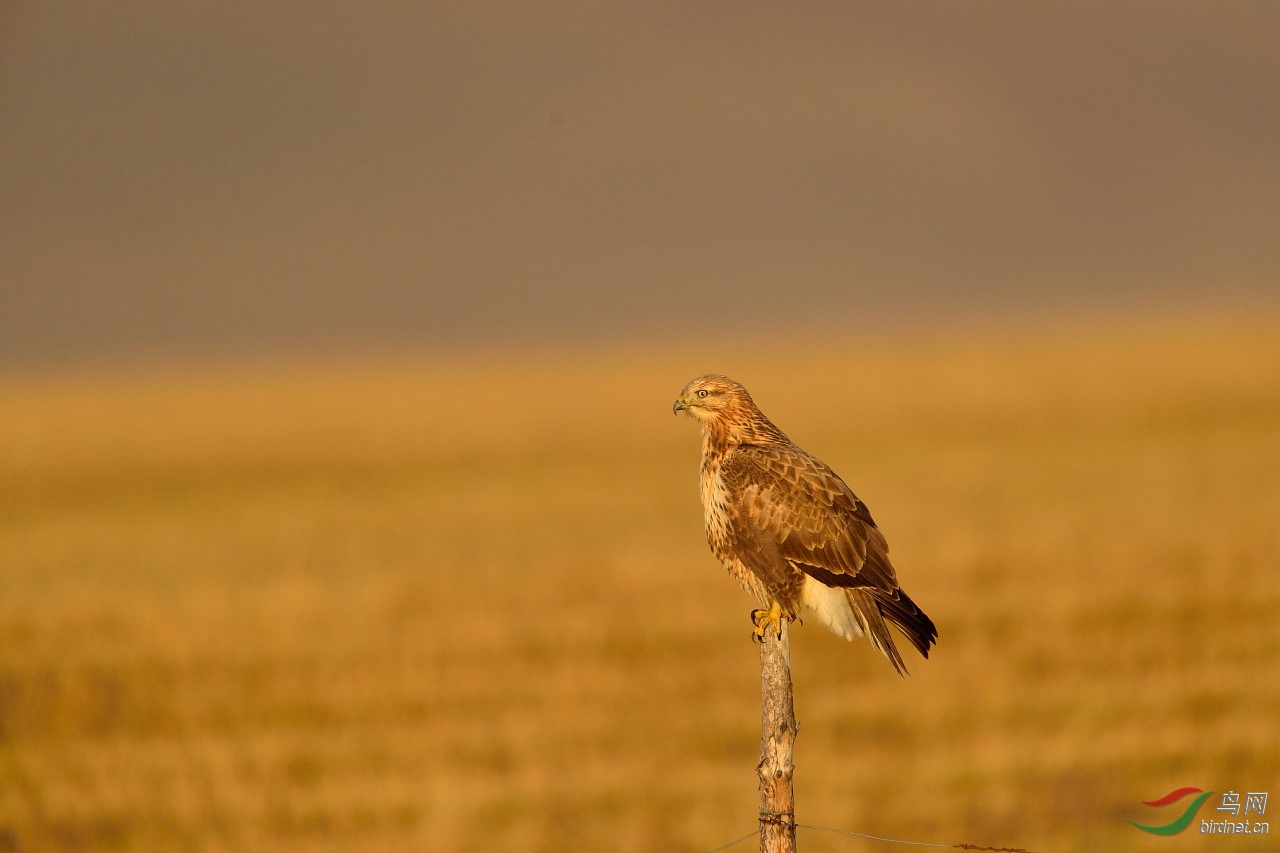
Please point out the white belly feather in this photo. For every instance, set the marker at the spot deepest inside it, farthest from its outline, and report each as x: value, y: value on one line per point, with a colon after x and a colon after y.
x: 831, y: 606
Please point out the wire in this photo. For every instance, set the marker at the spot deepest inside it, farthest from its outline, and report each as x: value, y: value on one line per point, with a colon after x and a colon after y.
x: 965, y: 846
x: 750, y: 834
x: 872, y: 837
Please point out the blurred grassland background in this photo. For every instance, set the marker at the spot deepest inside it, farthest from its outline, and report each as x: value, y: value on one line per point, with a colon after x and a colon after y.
x: 341, y: 504
x: 467, y: 605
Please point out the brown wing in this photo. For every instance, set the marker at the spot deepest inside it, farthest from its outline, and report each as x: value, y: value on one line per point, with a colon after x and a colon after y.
x: 786, y: 498
x: 791, y: 509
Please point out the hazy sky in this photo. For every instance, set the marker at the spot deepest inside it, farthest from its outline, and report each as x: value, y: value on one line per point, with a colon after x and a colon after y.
x: 302, y: 176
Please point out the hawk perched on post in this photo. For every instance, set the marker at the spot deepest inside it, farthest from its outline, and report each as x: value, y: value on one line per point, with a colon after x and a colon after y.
x: 790, y: 530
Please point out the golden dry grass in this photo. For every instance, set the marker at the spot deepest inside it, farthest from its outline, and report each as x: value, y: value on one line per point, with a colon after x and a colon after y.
x: 468, y: 606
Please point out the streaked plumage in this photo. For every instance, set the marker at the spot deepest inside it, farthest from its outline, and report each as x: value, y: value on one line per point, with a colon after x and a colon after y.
x: 790, y: 530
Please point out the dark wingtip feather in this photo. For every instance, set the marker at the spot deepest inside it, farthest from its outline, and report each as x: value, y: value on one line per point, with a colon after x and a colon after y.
x: 914, y: 624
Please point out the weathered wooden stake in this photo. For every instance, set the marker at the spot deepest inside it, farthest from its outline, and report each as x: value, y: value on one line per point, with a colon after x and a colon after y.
x: 778, y: 729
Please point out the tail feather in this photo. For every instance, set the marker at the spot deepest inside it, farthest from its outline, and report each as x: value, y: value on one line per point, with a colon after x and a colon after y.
x: 914, y: 624
x: 873, y: 625
x: 872, y: 607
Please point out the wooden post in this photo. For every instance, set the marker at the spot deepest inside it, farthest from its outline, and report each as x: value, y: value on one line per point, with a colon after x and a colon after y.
x: 778, y: 729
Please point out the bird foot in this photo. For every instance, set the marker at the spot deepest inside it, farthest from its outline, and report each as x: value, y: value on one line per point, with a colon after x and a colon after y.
x: 762, y: 619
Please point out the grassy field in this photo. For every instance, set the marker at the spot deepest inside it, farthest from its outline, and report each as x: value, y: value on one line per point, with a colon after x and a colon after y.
x: 468, y: 606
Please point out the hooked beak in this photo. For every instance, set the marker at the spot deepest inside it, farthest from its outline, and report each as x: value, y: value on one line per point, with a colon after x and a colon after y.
x: 679, y: 406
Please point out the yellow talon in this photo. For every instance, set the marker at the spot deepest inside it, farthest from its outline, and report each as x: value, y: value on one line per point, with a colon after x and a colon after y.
x: 762, y: 619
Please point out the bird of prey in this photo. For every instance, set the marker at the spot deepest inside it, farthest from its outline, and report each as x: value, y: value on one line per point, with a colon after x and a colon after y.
x: 790, y: 530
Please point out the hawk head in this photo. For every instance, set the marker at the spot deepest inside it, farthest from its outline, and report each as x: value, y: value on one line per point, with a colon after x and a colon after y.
x: 712, y: 396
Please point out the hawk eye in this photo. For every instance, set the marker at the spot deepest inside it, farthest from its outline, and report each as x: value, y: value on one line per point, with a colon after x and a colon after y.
x: 702, y: 392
